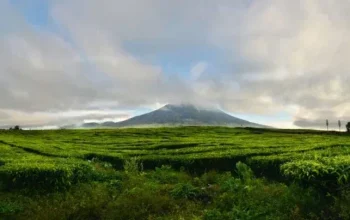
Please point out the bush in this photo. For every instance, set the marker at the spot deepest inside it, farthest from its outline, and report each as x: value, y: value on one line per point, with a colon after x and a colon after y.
x: 45, y: 175
x: 8, y: 207
x: 166, y: 175
x: 139, y: 203
x: 104, y: 172
x: 133, y: 166
x: 249, y: 198
x: 210, y: 177
x: 81, y: 202
x: 213, y: 214
x: 244, y: 172
x: 185, y: 191
x: 341, y: 207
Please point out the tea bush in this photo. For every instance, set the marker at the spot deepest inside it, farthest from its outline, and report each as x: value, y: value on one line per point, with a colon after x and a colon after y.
x: 174, y: 173
x: 47, y: 175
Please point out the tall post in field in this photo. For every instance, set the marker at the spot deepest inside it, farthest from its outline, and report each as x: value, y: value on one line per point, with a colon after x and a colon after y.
x: 327, y: 124
x: 339, y: 124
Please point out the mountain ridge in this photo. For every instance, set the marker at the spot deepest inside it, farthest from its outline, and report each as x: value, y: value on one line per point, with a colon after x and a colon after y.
x: 180, y: 115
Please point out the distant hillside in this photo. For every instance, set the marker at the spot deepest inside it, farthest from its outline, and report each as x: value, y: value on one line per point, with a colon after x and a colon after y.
x: 180, y: 115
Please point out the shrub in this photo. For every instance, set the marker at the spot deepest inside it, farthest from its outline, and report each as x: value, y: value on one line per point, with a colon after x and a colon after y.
x: 8, y: 207
x: 133, y: 166
x: 104, y: 172
x: 185, y: 191
x: 139, y: 204
x: 166, y: 175
x: 210, y: 177
x: 213, y: 214
x: 341, y: 207
x: 81, y: 202
x: 47, y: 175
x: 244, y: 171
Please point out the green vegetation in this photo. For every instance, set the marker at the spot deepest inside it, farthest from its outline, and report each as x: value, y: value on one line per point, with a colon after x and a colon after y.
x: 174, y: 173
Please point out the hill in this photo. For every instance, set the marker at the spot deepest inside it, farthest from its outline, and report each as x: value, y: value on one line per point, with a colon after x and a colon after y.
x: 180, y: 115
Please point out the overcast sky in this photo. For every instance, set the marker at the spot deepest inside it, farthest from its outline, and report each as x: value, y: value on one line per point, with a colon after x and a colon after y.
x: 279, y: 62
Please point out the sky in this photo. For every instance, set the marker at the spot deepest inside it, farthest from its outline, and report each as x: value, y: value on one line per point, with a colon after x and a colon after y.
x: 277, y: 62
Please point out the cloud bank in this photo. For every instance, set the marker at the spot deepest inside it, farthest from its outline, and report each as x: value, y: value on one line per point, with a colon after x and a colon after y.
x: 260, y: 57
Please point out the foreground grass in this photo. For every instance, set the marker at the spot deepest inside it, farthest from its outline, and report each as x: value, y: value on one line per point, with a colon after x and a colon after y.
x: 178, y: 173
x: 168, y: 194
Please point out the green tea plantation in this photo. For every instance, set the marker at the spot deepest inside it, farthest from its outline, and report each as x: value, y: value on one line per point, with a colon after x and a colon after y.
x: 174, y: 173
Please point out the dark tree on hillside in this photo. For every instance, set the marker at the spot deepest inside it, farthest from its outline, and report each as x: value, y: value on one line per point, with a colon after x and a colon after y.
x: 327, y: 124
x: 348, y: 127
x: 17, y: 128
x: 339, y: 124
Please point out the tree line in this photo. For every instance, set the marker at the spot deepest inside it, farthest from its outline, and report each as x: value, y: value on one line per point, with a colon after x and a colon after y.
x: 347, y: 126
x: 16, y: 128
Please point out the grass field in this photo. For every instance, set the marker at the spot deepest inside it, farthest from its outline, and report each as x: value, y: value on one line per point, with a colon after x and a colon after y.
x: 216, y: 172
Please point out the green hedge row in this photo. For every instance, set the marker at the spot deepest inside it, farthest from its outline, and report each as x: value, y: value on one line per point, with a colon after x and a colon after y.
x: 55, y: 174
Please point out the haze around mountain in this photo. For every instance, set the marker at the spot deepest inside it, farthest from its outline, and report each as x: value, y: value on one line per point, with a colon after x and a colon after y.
x: 179, y: 115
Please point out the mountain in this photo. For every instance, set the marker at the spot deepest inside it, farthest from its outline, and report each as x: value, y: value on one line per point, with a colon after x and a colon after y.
x: 180, y: 115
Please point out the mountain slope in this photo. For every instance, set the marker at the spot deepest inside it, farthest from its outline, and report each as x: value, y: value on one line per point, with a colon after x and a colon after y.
x: 182, y: 115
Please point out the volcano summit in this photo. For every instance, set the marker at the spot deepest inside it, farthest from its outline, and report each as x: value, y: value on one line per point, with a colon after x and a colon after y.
x: 180, y: 115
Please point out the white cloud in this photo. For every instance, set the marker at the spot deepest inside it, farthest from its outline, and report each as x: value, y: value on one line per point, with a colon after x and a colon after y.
x: 297, y: 51
x: 274, y: 55
x: 38, y: 119
x: 198, y: 69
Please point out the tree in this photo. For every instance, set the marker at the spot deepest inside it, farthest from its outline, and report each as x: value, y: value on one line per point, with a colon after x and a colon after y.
x: 339, y: 124
x: 327, y: 124
x: 348, y: 127
x: 17, y: 128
